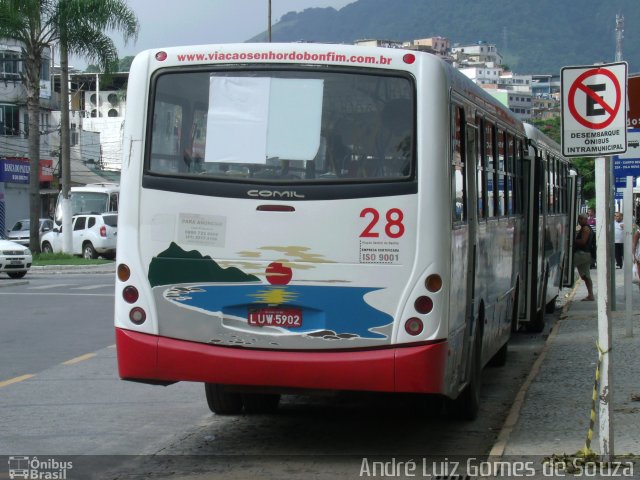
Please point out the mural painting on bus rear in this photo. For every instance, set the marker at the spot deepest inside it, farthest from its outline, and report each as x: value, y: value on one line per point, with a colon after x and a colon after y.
x: 231, y: 306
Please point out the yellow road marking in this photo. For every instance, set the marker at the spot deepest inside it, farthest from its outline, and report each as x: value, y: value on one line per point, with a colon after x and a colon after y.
x: 15, y: 380
x: 79, y: 359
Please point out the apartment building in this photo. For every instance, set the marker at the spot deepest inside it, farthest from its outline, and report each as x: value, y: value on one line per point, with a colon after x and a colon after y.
x: 15, y: 169
x: 476, y: 54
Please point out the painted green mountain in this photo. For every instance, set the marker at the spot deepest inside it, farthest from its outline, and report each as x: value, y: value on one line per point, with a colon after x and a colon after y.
x: 533, y: 36
x: 176, y: 265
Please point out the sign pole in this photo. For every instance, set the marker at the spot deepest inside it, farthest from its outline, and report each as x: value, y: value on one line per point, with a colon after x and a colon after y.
x: 605, y: 387
x: 627, y: 216
x: 594, y: 124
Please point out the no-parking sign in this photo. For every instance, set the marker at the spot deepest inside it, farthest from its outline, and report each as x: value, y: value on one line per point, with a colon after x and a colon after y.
x: 594, y: 110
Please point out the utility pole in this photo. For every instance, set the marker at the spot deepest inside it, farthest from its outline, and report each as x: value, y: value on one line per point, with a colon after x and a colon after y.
x: 269, y: 15
x: 619, y: 36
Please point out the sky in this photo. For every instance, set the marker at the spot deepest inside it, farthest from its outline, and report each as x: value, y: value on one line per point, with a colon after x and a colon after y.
x: 168, y: 23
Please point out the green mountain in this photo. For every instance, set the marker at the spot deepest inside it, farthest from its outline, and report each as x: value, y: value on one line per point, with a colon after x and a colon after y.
x: 538, y: 36
x: 175, y: 266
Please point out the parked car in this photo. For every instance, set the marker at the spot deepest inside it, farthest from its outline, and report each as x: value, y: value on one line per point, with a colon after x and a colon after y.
x: 19, y: 233
x: 93, y: 235
x: 15, y: 259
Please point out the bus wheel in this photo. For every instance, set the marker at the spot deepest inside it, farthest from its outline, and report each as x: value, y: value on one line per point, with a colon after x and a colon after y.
x: 467, y: 405
x: 551, y: 306
x: 260, y: 403
x: 500, y: 358
x: 536, y: 325
x: 221, y: 402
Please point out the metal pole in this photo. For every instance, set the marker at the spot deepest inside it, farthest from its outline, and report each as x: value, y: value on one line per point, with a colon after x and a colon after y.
x: 627, y: 217
x: 605, y: 387
x: 269, y: 29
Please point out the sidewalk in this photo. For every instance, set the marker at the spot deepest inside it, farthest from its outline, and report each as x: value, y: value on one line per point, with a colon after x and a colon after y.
x: 554, y: 417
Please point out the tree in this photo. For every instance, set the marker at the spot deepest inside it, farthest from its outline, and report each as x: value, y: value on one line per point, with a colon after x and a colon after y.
x: 30, y: 22
x: 81, y: 27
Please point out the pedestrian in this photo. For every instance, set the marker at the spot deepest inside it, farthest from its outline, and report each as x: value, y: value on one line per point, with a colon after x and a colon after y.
x: 635, y: 250
x: 591, y: 221
x: 582, y: 254
x: 591, y: 218
x: 618, y: 236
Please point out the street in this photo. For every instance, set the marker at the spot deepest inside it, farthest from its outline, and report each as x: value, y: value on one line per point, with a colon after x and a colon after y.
x: 61, y: 396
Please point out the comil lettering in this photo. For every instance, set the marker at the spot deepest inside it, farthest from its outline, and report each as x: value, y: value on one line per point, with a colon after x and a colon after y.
x: 274, y: 194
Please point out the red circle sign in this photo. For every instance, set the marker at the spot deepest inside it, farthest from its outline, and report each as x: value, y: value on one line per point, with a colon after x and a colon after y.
x: 578, y: 84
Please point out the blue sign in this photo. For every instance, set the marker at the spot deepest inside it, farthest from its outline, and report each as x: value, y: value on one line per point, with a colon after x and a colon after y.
x: 14, y: 171
x: 620, y: 185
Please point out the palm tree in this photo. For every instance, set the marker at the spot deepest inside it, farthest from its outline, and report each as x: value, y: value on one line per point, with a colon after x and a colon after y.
x: 82, y: 26
x: 30, y: 22
x: 79, y: 26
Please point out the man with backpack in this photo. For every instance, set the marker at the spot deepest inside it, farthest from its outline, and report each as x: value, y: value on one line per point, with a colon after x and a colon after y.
x: 582, y: 254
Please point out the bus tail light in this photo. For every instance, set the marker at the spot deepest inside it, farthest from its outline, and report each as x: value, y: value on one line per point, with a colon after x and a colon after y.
x: 433, y: 283
x: 130, y: 294
x: 423, y: 305
x: 137, y: 315
x: 414, y: 326
x: 124, y: 272
x: 161, y: 56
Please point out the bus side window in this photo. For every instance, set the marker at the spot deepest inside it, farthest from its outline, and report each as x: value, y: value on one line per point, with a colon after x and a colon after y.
x: 457, y: 168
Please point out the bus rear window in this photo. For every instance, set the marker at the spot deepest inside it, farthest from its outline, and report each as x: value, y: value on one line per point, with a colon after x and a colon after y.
x: 282, y: 126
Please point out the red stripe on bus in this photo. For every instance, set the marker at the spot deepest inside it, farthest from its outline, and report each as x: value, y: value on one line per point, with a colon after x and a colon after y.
x: 418, y: 369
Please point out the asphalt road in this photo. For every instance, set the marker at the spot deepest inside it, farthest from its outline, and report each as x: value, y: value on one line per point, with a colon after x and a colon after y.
x: 61, y: 396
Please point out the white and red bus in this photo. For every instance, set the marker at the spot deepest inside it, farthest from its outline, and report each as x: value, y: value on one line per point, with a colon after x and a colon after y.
x: 319, y: 217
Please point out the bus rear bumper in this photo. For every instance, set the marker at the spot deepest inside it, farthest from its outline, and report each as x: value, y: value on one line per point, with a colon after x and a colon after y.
x: 418, y: 369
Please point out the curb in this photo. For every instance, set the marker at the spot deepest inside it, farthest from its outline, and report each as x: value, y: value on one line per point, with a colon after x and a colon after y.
x: 514, y: 412
x: 11, y: 283
x: 102, y: 268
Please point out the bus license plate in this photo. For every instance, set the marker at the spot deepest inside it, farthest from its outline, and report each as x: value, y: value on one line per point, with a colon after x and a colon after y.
x: 276, y: 317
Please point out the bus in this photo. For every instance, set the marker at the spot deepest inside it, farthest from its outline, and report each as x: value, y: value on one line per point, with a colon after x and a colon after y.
x: 308, y: 217
x: 552, y: 216
x: 91, y: 198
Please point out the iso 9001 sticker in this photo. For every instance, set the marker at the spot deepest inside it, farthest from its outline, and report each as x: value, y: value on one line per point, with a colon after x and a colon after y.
x: 380, y: 252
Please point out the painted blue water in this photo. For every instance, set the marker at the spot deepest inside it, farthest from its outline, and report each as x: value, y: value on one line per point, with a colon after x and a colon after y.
x: 340, y: 309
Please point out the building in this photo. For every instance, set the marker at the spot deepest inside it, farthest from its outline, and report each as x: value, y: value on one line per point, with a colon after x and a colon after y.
x: 480, y: 54
x: 483, y: 75
x: 378, y: 43
x: 14, y: 137
x: 439, y: 46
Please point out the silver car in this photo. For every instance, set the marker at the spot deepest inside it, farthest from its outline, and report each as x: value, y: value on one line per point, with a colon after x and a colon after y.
x: 15, y: 259
x: 19, y: 233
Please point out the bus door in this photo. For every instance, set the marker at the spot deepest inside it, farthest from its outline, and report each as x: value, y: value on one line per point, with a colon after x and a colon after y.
x: 463, y: 242
x: 572, y: 214
x: 471, y: 313
x: 533, y: 206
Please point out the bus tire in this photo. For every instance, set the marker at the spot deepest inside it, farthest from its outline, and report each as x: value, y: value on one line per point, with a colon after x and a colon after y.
x: 536, y: 325
x: 46, y: 248
x: 260, y: 402
x: 467, y: 405
x: 500, y: 358
x: 221, y: 402
x: 551, y: 306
